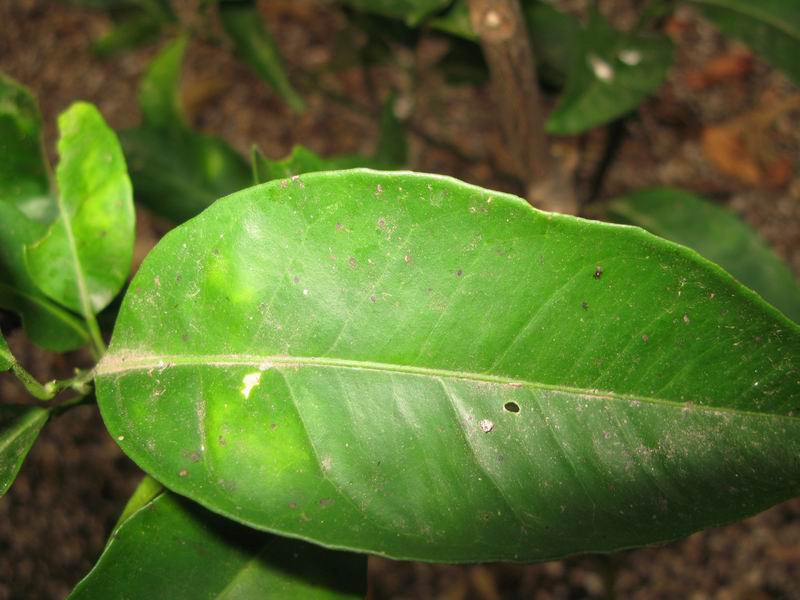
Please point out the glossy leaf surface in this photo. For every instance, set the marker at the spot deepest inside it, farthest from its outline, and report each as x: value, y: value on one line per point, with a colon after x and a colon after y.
x: 408, y: 365
x: 177, y: 172
x: 717, y: 234
x: 181, y: 551
x: 612, y: 72
x: 85, y: 257
x: 770, y: 27
x: 254, y: 44
x: 19, y: 428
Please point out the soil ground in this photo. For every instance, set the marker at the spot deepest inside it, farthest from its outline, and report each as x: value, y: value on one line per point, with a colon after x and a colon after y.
x: 55, y: 519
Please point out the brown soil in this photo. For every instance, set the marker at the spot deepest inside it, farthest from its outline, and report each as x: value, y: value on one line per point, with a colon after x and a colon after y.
x: 54, y: 521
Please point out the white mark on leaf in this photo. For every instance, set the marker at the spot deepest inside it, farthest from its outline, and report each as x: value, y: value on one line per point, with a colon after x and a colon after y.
x: 486, y: 425
x: 601, y: 69
x: 250, y: 381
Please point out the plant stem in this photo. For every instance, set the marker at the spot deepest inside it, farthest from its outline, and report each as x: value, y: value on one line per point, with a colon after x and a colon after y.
x: 503, y: 35
x: 98, y: 346
x: 36, y: 389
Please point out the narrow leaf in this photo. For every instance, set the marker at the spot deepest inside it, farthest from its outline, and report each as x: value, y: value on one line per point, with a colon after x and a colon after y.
x: 85, y: 257
x: 144, y: 493
x: 407, y: 365
x: 770, y: 27
x: 6, y: 358
x: 717, y: 234
x: 611, y: 74
x: 188, y: 553
x: 242, y: 22
x: 19, y: 428
x: 159, y: 91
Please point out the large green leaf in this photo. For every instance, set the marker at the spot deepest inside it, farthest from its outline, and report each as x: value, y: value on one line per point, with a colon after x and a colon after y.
x: 612, y: 72
x: 715, y: 233
x: 770, y: 27
x: 19, y: 428
x: 177, y: 172
x: 177, y: 550
x: 408, y: 365
x: 85, y: 257
x: 253, y: 43
x: 412, y: 12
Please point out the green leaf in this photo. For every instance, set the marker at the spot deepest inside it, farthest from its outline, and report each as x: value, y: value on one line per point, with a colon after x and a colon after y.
x: 717, y: 234
x: 413, y: 12
x: 128, y: 33
x: 611, y: 74
x: 770, y: 27
x: 391, y: 153
x: 23, y: 172
x: 6, y: 358
x: 177, y: 172
x: 159, y: 90
x: 253, y: 43
x: 19, y: 428
x: 410, y: 366
x: 185, y: 552
x: 85, y: 257
x: 46, y: 324
x: 144, y: 493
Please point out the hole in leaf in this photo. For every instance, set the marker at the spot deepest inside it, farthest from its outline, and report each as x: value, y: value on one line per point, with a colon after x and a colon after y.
x: 511, y: 407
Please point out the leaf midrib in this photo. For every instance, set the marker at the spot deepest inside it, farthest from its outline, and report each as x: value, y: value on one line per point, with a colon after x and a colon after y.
x: 124, y: 361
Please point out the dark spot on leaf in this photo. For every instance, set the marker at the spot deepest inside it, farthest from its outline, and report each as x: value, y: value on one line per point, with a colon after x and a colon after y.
x: 272, y: 425
x: 598, y: 272
x: 221, y: 441
x: 339, y: 227
x: 292, y: 505
x: 645, y: 338
x: 325, y: 501
x: 373, y: 299
x: 511, y: 407
x: 585, y: 305
x: 185, y: 337
x: 459, y: 273
x: 215, y: 252
x: 352, y: 262
x: 296, y: 279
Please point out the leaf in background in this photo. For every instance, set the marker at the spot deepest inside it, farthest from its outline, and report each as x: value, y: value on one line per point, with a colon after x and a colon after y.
x: 25, y: 204
x: 19, y: 427
x: 85, y: 257
x: 6, y: 358
x: 253, y: 43
x: 612, y: 72
x: 391, y: 153
x: 159, y: 90
x: 717, y: 234
x: 413, y: 12
x: 770, y: 27
x: 411, y: 366
x: 187, y: 553
x: 177, y: 172
x: 23, y: 172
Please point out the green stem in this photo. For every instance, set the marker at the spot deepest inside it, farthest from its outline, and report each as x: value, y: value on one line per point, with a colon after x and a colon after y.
x: 98, y: 346
x: 80, y: 383
x: 36, y: 389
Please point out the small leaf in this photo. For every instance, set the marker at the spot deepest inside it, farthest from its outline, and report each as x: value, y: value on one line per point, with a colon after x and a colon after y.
x: 190, y: 553
x: 611, y: 74
x: 243, y: 23
x: 159, y: 91
x: 127, y: 34
x: 770, y: 27
x: 85, y: 257
x: 411, y: 366
x: 717, y: 234
x: 19, y: 428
